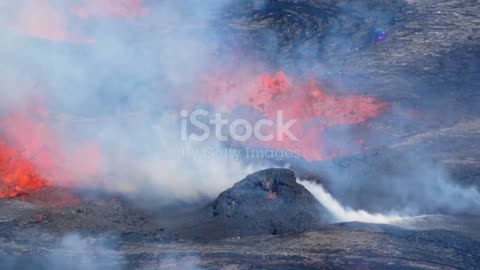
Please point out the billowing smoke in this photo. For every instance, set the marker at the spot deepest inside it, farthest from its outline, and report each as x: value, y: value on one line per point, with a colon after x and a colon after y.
x: 99, y: 86
x: 405, y: 183
x: 76, y: 252
x: 107, y: 77
x: 71, y: 251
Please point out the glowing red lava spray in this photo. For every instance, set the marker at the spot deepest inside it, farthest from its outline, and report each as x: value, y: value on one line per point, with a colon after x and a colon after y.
x: 32, y: 155
x: 314, y: 110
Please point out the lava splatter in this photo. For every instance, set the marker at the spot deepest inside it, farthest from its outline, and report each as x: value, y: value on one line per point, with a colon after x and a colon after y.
x: 314, y: 110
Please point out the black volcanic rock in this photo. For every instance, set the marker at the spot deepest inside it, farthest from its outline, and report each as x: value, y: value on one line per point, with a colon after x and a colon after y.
x: 266, y: 202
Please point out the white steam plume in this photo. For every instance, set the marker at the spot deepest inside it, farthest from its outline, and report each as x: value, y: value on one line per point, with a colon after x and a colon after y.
x: 343, y: 213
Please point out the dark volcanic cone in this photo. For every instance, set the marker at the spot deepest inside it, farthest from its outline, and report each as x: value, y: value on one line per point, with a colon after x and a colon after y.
x: 266, y: 202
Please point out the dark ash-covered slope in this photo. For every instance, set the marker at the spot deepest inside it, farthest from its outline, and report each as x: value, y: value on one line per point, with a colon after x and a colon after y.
x: 268, y: 202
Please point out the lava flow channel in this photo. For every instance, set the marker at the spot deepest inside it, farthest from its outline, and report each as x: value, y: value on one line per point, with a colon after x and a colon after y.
x: 314, y: 111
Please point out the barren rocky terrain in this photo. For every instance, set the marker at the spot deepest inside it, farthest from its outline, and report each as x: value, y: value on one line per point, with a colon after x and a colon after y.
x: 116, y: 235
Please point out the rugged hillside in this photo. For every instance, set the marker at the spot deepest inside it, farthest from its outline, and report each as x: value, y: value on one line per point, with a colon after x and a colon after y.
x: 431, y: 44
x: 428, y: 68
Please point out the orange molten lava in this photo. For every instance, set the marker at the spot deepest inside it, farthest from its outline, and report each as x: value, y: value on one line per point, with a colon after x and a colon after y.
x: 32, y: 156
x: 313, y: 109
x: 17, y: 174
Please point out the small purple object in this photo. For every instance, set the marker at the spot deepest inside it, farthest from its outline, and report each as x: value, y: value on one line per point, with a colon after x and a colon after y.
x: 380, y: 35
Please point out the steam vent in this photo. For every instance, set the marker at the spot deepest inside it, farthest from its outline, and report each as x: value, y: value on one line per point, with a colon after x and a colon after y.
x: 267, y: 202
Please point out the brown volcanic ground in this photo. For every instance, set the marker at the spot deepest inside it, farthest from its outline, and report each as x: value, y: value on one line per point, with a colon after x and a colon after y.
x: 429, y: 66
